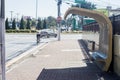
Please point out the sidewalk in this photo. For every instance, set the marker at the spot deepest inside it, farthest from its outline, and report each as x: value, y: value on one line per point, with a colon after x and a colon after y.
x: 59, y: 60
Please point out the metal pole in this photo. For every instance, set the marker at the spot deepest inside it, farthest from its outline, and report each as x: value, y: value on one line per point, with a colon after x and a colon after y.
x: 59, y: 30
x: 36, y: 14
x: 36, y: 7
x: 2, y: 40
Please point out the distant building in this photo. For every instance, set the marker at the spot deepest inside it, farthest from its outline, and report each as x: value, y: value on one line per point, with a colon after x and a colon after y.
x: 103, y: 11
x: 114, y: 11
x: 108, y: 11
x: 26, y: 17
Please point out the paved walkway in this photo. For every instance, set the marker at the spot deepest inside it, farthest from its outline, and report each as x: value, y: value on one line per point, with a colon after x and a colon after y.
x: 59, y: 60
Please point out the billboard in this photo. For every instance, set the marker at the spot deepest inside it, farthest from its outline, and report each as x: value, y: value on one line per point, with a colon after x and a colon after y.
x: 79, y: 1
x: 104, y: 11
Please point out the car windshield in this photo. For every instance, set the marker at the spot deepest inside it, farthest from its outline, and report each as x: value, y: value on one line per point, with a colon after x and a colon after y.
x: 47, y: 30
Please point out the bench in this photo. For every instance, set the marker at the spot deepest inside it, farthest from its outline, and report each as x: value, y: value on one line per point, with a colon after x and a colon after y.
x: 98, y: 56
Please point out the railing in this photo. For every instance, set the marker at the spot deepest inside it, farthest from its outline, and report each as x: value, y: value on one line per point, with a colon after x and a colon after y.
x: 94, y: 26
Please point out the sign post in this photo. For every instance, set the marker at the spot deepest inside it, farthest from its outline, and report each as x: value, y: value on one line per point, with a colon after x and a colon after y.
x: 59, y: 30
x: 59, y: 19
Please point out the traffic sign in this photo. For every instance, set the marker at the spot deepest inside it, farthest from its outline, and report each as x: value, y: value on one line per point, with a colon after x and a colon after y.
x: 59, y: 19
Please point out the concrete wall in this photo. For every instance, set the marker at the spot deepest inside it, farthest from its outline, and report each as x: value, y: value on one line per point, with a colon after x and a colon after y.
x: 117, y: 54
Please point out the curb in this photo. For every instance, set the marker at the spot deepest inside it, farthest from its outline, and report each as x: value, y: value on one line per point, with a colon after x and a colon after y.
x: 32, y: 51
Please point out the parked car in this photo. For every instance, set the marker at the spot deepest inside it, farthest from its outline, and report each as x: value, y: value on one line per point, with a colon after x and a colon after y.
x: 47, y: 33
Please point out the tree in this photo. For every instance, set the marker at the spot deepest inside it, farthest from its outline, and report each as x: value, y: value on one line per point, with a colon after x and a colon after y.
x: 39, y: 24
x: 28, y: 24
x: 7, y: 24
x: 63, y: 22
x: 22, y: 23
x: 14, y: 24
x: 69, y: 22
x: 51, y: 21
x: 33, y: 22
x: 44, y: 24
x: 86, y: 5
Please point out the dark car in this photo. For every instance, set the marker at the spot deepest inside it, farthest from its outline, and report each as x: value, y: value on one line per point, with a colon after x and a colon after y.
x: 47, y: 33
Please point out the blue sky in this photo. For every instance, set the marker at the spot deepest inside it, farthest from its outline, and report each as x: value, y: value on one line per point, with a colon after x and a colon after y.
x: 45, y: 7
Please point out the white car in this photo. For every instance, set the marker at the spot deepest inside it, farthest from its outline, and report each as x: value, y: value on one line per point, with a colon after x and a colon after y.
x: 47, y: 33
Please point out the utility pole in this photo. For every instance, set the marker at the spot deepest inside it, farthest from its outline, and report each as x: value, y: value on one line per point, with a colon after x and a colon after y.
x: 36, y: 20
x: 59, y: 15
x: 2, y: 40
x: 36, y: 8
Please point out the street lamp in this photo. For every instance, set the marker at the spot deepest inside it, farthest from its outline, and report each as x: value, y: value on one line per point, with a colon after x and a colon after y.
x: 36, y: 7
x: 36, y: 14
x: 11, y: 15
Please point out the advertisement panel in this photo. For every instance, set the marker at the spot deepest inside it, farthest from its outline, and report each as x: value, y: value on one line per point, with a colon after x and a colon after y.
x: 104, y: 11
x: 79, y: 1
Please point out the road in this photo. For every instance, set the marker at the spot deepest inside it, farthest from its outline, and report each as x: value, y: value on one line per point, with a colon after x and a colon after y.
x: 19, y: 43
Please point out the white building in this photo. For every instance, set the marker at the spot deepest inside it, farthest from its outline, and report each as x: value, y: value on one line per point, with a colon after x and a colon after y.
x: 113, y: 11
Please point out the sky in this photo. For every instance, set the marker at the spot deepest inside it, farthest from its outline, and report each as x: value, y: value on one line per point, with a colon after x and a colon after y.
x: 46, y: 7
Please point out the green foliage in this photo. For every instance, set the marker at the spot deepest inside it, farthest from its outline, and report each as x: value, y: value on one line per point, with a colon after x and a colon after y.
x: 33, y: 22
x: 69, y: 21
x: 28, y: 24
x: 39, y: 25
x: 14, y: 24
x: 51, y: 21
x: 7, y: 24
x: 44, y: 24
x: 63, y: 22
x: 21, y: 31
x: 22, y: 25
x: 86, y: 5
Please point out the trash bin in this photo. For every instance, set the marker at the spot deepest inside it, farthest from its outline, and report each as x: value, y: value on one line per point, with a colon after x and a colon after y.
x: 91, y: 45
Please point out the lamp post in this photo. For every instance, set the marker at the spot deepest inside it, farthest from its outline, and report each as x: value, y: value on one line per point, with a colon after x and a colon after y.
x: 11, y: 15
x: 36, y: 16
x: 36, y: 7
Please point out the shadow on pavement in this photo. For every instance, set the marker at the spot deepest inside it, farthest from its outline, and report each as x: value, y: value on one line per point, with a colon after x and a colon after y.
x: 88, y: 72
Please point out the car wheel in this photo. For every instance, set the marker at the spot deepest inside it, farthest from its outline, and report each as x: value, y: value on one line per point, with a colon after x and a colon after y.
x: 48, y: 36
x: 55, y: 36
